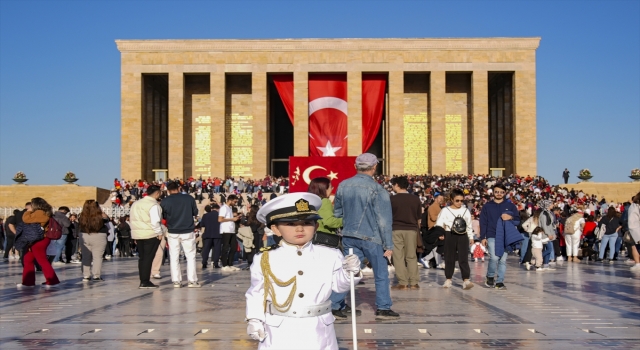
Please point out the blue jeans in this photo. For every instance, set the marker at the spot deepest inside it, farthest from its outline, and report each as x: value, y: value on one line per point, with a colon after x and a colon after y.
x: 374, y: 253
x: 495, y: 262
x: 337, y: 300
x: 618, y: 244
x: 548, y: 254
x: 524, y: 245
x: 611, y: 241
x: 60, y: 244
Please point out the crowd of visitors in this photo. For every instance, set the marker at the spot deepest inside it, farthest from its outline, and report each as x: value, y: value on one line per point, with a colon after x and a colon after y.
x: 125, y: 192
x: 410, y: 221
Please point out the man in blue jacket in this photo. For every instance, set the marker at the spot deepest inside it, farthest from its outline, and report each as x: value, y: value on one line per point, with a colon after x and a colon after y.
x: 498, y: 208
x: 367, y: 222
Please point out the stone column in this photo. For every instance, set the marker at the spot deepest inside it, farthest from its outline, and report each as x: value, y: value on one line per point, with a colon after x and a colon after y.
x: 216, y: 92
x: 395, y: 122
x: 260, y: 139
x: 525, y: 122
x: 301, y: 114
x: 480, y: 125
x: 437, y: 119
x: 131, y: 155
x: 176, y: 125
x: 354, y: 117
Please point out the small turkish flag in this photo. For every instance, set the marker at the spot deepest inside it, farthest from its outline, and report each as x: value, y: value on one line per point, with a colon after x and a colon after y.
x: 304, y: 169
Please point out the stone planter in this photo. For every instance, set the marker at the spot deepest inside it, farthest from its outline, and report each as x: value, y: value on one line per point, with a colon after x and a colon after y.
x: 635, y: 178
x: 70, y: 181
x: 585, y: 178
x: 20, y: 181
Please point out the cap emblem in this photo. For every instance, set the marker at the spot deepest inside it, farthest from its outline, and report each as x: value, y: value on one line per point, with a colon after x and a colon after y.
x: 302, y: 206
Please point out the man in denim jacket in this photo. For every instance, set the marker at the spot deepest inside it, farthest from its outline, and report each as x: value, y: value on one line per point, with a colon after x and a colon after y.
x: 366, y: 211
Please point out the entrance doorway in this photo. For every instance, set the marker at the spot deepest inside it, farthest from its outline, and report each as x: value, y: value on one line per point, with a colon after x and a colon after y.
x: 280, y: 144
x: 501, y: 125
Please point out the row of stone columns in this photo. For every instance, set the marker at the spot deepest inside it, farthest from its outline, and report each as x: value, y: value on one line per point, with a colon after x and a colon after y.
x: 524, y: 122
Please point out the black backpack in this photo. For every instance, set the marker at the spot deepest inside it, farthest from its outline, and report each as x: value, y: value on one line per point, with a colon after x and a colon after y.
x: 459, y: 225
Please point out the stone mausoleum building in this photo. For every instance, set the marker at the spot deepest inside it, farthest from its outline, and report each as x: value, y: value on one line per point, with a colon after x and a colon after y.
x: 242, y: 107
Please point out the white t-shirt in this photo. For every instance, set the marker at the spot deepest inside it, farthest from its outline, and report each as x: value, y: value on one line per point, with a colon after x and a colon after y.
x: 227, y: 226
x: 448, y: 214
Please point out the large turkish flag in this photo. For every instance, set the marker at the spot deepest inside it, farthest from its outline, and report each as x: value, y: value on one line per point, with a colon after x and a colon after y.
x: 328, y: 115
x: 304, y: 169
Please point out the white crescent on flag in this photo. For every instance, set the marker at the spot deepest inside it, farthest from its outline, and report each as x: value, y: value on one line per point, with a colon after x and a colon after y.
x: 328, y: 102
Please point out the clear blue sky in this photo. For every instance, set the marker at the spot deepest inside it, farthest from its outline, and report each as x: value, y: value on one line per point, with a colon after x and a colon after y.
x: 60, y: 70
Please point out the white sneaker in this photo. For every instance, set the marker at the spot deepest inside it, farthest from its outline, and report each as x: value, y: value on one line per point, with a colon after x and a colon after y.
x: 441, y: 266
x: 540, y: 269
x: 423, y: 263
x: 76, y: 262
x: 225, y: 269
x: 177, y: 285
x: 527, y: 265
x: 466, y: 285
x: 20, y: 285
x: 635, y: 268
x: 549, y: 268
x: 630, y: 262
x: 58, y: 263
x: 108, y: 257
x: 157, y: 276
x: 447, y: 284
x: 367, y: 270
x: 559, y: 258
x: 194, y: 285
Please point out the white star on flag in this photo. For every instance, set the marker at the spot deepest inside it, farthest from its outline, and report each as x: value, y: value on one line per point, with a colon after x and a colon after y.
x: 332, y: 175
x: 328, y: 150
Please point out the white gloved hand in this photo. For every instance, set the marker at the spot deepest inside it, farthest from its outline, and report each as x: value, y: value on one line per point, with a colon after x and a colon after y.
x: 255, y: 329
x: 351, y: 263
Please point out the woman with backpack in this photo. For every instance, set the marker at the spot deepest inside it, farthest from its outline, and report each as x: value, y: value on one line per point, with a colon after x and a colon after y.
x: 528, y: 226
x: 32, y: 242
x: 455, y: 220
x: 613, y: 225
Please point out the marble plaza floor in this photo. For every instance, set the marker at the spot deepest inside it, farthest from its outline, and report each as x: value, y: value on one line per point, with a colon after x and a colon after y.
x: 586, y: 306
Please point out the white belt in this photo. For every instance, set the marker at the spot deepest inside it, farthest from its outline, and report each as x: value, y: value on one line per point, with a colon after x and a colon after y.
x: 302, y: 311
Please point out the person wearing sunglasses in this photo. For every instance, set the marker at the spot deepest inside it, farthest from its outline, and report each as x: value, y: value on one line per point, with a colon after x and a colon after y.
x: 455, y: 220
x: 494, y: 210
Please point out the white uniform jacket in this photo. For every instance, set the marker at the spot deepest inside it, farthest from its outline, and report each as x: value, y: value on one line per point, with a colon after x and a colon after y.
x: 319, y: 271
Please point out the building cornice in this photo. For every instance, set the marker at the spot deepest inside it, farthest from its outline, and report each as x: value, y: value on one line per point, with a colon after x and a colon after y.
x: 284, y: 45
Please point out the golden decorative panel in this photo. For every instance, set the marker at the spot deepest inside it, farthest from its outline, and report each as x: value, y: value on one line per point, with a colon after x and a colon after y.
x: 416, y: 144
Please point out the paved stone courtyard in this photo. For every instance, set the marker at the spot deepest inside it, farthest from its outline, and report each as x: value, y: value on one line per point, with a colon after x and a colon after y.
x: 589, y: 306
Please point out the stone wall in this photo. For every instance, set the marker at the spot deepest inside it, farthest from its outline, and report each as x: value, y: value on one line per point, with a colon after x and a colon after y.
x: 57, y: 195
x: 612, y: 191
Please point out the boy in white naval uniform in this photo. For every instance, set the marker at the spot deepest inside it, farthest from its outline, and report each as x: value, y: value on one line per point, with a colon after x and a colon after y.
x: 288, y: 304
